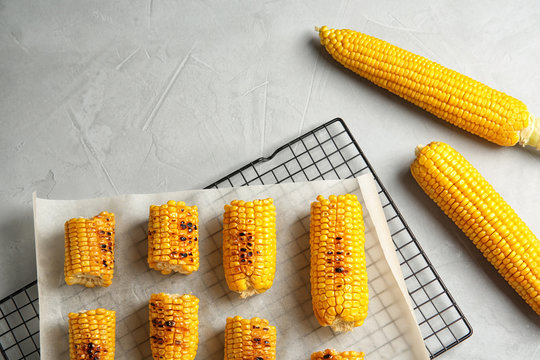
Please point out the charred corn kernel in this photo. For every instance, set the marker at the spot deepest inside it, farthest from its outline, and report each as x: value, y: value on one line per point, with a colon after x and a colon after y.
x: 249, y: 246
x: 89, y: 250
x: 249, y: 339
x: 92, y: 335
x: 334, y: 355
x: 445, y: 93
x: 174, y: 326
x: 173, y: 238
x: 483, y: 215
x: 338, y: 262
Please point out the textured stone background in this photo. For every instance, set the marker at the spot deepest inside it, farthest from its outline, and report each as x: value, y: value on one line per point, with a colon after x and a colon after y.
x: 112, y: 97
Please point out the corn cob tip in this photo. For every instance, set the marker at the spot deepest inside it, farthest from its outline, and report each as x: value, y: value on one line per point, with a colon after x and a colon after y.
x: 250, y: 289
x: 530, y: 136
x: 320, y: 29
x: 339, y: 325
x: 418, y: 149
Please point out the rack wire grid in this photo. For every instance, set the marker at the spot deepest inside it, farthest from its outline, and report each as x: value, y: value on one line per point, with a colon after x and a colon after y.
x: 327, y: 152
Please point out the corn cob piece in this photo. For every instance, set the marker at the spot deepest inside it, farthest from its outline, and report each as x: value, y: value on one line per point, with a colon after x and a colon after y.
x: 483, y: 215
x: 173, y: 238
x: 249, y: 246
x: 249, y: 339
x: 89, y: 250
x: 334, y: 355
x: 174, y: 326
x: 338, y: 262
x: 92, y: 335
x: 445, y: 93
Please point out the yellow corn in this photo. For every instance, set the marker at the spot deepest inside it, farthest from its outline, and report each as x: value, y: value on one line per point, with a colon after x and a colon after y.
x: 334, y: 355
x: 483, y: 215
x: 338, y: 262
x: 445, y: 93
x: 249, y: 339
x: 89, y: 250
x: 249, y: 246
x: 92, y: 335
x: 173, y: 238
x: 174, y: 326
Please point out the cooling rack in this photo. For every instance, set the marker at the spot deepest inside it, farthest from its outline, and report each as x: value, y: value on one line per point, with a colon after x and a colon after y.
x: 327, y: 152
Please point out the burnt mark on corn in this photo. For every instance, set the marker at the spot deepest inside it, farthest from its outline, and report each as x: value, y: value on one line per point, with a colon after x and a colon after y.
x: 92, y: 351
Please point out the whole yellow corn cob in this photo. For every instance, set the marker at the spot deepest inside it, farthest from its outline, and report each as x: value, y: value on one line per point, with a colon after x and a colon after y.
x: 338, y: 273
x: 173, y: 238
x: 445, y: 93
x: 334, y: 355
x: 92, y: 335
x: 174, y: 326
x: 249, y: 246
x: 249, y: 339
x: 89, y: 250
x: 483, y: 215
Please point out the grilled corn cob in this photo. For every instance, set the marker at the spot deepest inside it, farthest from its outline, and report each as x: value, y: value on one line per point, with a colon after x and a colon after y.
x: 249, y: 339
x: 445, y: 93
x: 173, y: 238
x: 338, y: 262
x: 483, y: 215
x: 249, y: 246
x: 334, y: 355
x: 174, y: 326
x: 89, y: 250
x: 92, y: 335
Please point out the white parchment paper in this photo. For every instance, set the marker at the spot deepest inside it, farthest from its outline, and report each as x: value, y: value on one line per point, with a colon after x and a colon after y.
x: 389, y: 332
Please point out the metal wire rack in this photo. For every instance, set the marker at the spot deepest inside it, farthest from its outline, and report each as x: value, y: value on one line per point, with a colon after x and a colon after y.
x: 327, y: 152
